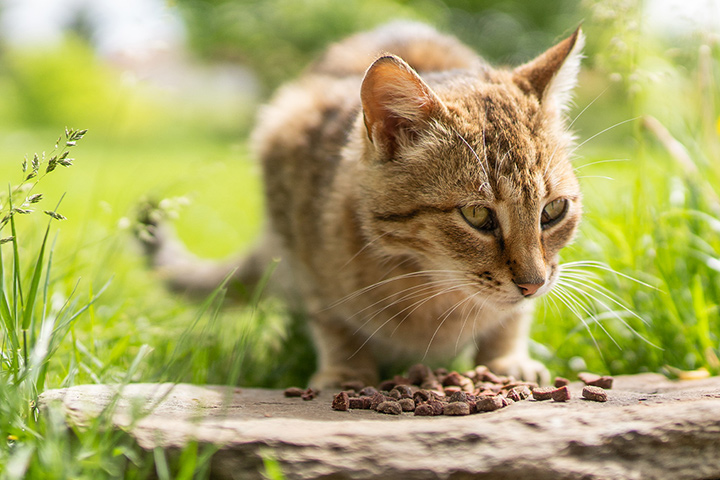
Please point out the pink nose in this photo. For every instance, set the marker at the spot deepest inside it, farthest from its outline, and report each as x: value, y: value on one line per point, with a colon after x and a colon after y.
x: 528, y: 289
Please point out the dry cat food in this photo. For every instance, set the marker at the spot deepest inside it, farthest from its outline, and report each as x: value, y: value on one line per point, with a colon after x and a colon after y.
x: 596, y: 394
x: 561, y: 382
x: 594, y: 380
x: 543, y: 393
x: 561, y: 394
x: 427, y: 392
x: 294, y: 392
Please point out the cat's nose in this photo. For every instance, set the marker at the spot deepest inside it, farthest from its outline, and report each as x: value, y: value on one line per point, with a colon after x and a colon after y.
x: 528, y: 289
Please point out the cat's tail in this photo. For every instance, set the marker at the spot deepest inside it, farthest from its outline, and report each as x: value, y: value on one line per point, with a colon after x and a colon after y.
x: 185, y: 273
x: 420, y: 45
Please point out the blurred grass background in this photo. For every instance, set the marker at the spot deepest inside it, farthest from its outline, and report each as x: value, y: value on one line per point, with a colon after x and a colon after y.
x: 173, y: 122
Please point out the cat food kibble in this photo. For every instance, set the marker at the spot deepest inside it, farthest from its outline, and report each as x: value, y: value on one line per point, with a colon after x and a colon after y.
x: 341, y: 402
x: 478, y: 394
x: 294, y: 392
x: 489, y: 404
x: 309, y: 394
x: 596, y: 380
x: 596, y: 394
x: 359, y: 403
x: 390, y: 407
x: 424, y: 410
x: 561, y: 394
x: 542, y: 393
x: 377, y: 399
x: 456, y: 409
x: 561, y: 382
x: 407, y: 404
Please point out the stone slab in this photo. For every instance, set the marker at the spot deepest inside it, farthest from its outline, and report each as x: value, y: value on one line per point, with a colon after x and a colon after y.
x: 651, y: 427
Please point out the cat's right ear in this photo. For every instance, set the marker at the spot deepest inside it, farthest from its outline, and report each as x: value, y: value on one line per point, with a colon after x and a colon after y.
x: 396, y: 103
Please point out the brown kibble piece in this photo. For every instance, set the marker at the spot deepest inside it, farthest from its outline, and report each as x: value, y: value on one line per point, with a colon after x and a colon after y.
x: 309, y: 394
x: 451, y: 390
x: 437, y: 406
x: 596, y: 394
x: 587, y: 377
x: 596, y: 380
x: 390, y: 407
x: 368, y: 391
x: 404, y: 390
x: 456, y: 409
x: 432, y: 384
x: 394, y: 393
x: 376, y: 400
x: 422, y: 396
x: 561, y: 382
x: 453, y: 379
x: 359, y: 403
x: 293, y: 392
x: 458, y: 396
x: 387, y: 385
x: 424, y: 410
x: 341, y: 402
x: 418, y: 373
x: 561, y: 394
x: 489, y: 376
x: 407, y: 404
x: 519, y: 393
x: 542, y: 393
x: 489, y: 404
x: 605, y: 382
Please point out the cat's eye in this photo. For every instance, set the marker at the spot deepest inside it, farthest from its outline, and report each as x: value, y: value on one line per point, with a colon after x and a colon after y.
x: 553, y: 212
x: 480, y: 218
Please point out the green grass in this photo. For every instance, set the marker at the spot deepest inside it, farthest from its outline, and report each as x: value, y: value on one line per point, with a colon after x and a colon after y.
x: 656, y: 221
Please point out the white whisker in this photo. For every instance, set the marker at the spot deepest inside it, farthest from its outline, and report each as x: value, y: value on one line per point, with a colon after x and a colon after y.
x: 413, y: 307
x: 477, y: 157
x: 579, y: 167
x: 605, y: 130
x: 570, y: 301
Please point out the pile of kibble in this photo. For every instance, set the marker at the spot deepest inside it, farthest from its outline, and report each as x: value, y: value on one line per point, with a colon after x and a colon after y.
x: 428, y: 392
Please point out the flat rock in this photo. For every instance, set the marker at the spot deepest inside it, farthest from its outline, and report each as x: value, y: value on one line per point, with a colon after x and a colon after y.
x: 649, y: 428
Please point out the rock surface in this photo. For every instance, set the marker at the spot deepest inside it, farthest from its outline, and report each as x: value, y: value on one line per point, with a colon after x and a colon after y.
x: 649, y: 428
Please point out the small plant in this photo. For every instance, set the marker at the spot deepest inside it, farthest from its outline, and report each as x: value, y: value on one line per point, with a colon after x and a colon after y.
x: 32, y: 326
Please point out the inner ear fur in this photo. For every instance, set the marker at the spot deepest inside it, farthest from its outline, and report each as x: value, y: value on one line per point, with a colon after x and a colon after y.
x: 395, y: 103
x: 553, y: 74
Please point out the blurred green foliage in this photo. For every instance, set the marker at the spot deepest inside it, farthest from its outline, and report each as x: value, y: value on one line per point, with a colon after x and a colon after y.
x: 278, y: 38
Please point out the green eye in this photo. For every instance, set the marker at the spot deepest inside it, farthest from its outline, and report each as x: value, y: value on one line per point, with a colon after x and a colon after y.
x: 553, y: 212
x: 480, y: 218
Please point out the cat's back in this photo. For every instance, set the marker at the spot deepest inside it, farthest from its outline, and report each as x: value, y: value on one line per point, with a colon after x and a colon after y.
x: 301, y: 132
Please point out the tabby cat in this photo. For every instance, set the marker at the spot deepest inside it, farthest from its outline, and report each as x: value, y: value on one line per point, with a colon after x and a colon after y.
x: 417, y: 198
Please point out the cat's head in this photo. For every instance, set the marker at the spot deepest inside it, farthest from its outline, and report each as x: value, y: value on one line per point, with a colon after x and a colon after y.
x: 469, y: 171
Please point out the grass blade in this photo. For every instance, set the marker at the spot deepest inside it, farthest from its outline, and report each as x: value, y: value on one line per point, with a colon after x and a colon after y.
x: 35, y: 283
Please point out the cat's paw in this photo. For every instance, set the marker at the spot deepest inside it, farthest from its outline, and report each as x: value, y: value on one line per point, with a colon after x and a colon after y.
x: 333, y: 378
x: 521, y: 367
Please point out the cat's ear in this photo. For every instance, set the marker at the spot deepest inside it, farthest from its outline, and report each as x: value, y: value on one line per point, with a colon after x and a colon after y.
x: 552, y: 75
x: 396, y: 102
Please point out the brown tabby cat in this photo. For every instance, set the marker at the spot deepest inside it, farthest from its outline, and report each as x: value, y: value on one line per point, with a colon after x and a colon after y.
x: 418, y: 205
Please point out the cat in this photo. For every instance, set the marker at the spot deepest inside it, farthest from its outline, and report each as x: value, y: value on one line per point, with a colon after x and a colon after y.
x: 417, y: 198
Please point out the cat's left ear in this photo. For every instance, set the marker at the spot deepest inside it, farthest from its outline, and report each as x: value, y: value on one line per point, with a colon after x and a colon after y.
x: 552, y: 76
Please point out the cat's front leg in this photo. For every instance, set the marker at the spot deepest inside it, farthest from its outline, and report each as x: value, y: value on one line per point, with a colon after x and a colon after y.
x: 505, y: 350
x: 341, y: 355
